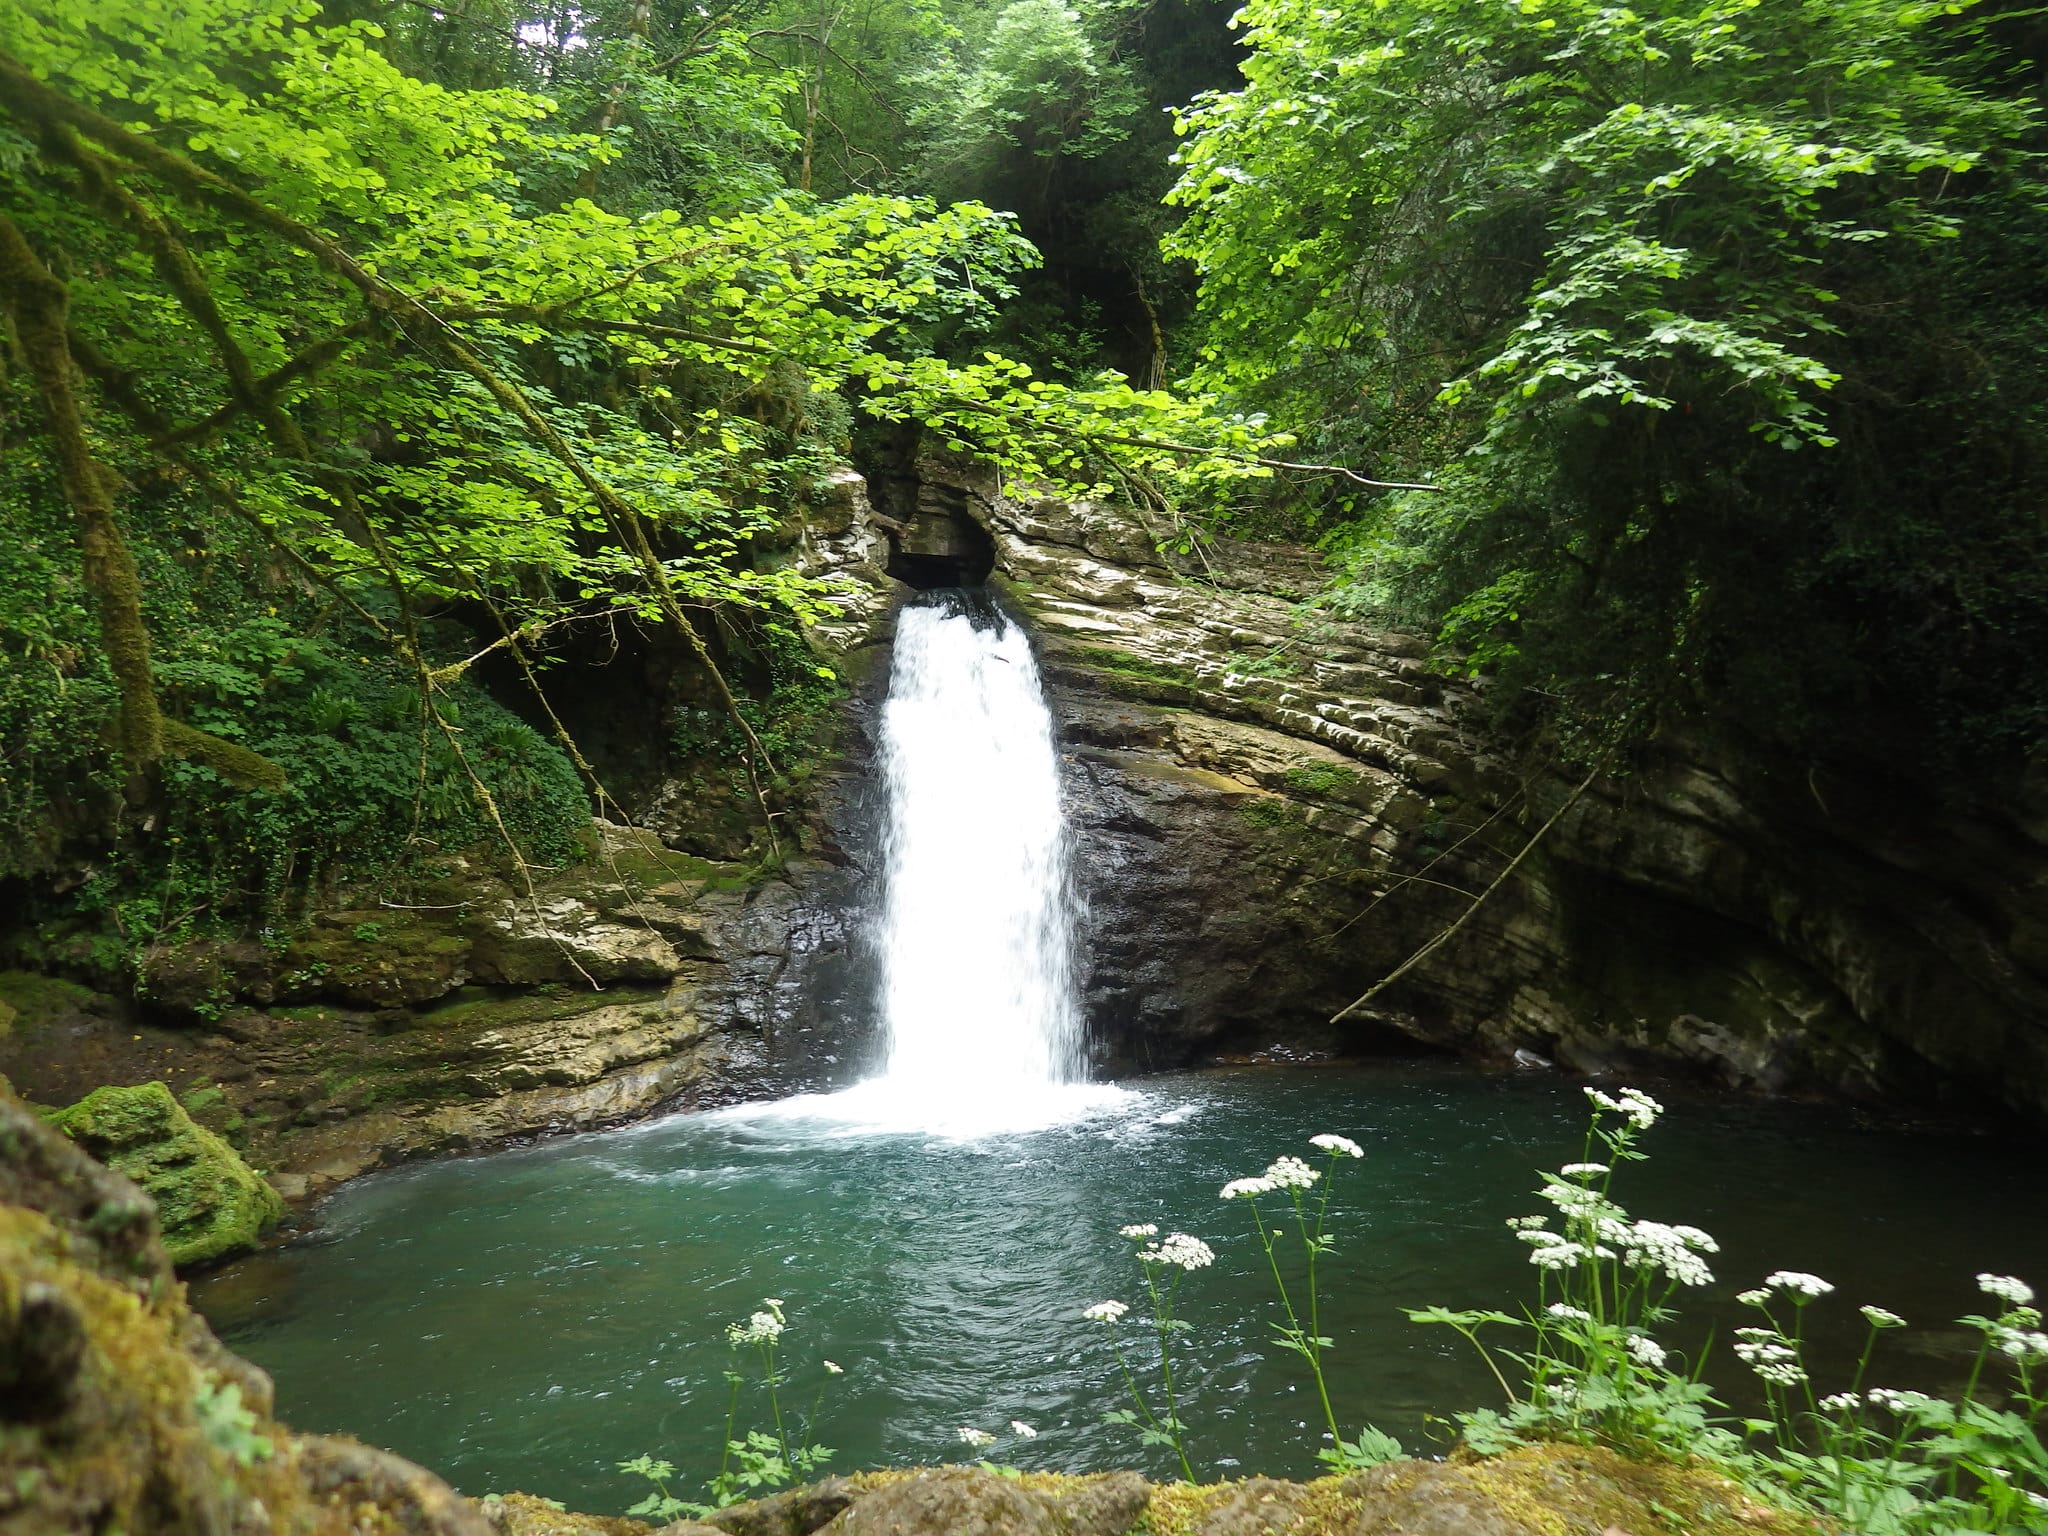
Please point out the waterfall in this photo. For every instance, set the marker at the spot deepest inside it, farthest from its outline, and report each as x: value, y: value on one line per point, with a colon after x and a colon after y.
x: 975, y: 924
x: 976, y: 935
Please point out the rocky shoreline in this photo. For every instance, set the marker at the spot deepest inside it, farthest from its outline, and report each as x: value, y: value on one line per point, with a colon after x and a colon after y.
x: 121, y: 1411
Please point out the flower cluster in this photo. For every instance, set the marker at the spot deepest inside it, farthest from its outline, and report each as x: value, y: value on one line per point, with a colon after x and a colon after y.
x: 1642, y: 1110
x: 2016, y: 1293
x: 1179, y: 1250
x: 1647, y: 1351
x: 1282, y: 1173
x: 1878, y: 1317
x: 1105, y: 1311
x: 1022, y: 1430
x: 978, y: 1438
x: 1568, y: 1314
x: 1550, y: 1251
x: 1336, y: 1145
x: 1583, y: 1170
x: 762, y: 1328
x: 1798, y: 1283
x: 1291, y: 1173
x: 1897, y: 1402
x: 1654, y: 1245
x: 2027, y: 1346
x: 1765, y: 1351
x: 1139, y: 1229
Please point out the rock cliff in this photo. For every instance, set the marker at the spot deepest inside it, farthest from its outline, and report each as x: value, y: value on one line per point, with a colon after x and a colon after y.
x: 1274, y: 808
x: 1277, y: 807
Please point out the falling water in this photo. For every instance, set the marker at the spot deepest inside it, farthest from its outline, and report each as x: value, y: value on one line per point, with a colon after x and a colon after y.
x: 977, y: 928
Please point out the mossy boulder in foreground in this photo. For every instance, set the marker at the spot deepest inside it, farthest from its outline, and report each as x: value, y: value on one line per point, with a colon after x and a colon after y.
x: 210, y: 1202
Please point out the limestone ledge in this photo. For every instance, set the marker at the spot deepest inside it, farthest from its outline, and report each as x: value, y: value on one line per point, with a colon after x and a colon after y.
x: 1275, y: 807
x: 448, y: 1025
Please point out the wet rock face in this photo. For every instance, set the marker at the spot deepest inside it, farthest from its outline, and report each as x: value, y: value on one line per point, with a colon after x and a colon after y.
x: 1273, y: 809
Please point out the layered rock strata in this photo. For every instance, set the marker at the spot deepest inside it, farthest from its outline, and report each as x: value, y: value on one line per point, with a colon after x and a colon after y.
x: 1277, y: 807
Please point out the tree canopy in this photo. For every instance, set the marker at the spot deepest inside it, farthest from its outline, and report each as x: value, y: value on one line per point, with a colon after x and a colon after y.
x: 1720, y: 326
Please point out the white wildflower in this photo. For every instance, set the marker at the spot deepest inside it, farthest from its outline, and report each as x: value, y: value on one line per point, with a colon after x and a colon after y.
x: 833, y: 1369
x: 1238, y: 1189
x: 1179, y: 1250
x: 1642, y: 1110
x: 1693, y: 1237
x: 2006, y: 1288
x: 1572, y: 1199
x: 1564, y: 1256
x: 1292, y: 1173
x: 1897, y: 1402
x: 2021, y: 1344
x: 1583, y: 1170
x: 1541, y: 1239
x: 978, y: 1438
x: 1878, y: 1317
x: 1653, y: 1245
x: 1147, y: 1229
x: 1022, y: 1430
x: 1798, y: 1282
x: 1568, y: 1314
x: 1105, y: 1311
x: 1526, y: 1223
x: 1841, y: 1401
x: 1335, y: 1145
x: 1647, y: 1351
x: 1754, y: 1298
x: 1765, y: 1351
x: 761, y: 1328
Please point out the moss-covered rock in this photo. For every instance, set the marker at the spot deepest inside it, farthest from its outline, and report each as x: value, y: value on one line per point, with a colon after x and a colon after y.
x: 211, y: 1202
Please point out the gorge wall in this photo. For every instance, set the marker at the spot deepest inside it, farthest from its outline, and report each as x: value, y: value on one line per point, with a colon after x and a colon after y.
x: 1276, y: 808
x: 1273, y: 810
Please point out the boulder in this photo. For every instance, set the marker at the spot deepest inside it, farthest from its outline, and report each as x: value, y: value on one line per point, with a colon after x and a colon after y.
x: 561, y: 938
x: 950, y: 1501
x: 211, y: 1203
x: 798, y: 1512
x: 119, y: 1410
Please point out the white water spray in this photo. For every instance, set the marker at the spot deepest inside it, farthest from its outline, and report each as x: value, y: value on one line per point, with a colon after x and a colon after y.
x: 976, y: 934
x: 975, y: 937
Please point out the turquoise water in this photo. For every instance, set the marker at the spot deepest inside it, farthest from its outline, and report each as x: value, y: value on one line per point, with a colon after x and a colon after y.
x: 528, y: 1319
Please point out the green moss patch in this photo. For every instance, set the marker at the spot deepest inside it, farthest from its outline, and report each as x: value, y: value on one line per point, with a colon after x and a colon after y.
x: 1130, y: 668
x: 210, y: 1202
x: 27, y: 999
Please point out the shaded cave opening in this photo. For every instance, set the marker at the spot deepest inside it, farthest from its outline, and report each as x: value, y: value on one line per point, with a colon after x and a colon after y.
x: 940, y: 547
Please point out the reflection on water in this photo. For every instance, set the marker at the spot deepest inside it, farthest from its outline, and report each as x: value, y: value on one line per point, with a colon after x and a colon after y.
x: 527, y: 1319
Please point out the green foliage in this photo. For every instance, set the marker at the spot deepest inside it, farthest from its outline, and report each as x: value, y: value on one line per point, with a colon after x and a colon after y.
x: 229, y: 1426
x: 1881, y: 1462
x: 1715, y: 325
x: 398, y: 361
x: 758, y: 1461
x: 1044, y: 86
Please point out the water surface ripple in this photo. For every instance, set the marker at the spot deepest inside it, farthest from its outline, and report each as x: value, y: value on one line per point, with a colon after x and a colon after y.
x: 528, y: 1319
